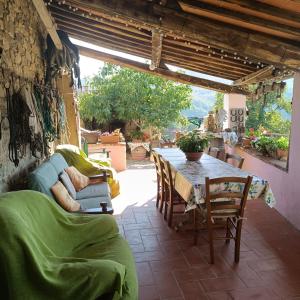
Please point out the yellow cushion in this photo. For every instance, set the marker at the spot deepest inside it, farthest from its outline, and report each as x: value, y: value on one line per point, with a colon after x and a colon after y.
x: 79, y: 180
x: 63, y: 197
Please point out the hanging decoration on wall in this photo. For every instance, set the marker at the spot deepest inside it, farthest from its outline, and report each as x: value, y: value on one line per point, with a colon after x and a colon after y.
x: 20, y: 135
x: 60, y: 61
x: 35, y: 114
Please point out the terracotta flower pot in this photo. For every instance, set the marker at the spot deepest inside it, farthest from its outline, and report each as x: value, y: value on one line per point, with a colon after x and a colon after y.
x: 246, y: 142
x: 193, y: 156
x: 282, y: 154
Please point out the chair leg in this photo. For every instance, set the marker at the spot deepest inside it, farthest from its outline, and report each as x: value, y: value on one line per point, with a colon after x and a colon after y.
x: 158, y: 197
x: 162, y: 199
x: 227, y: 231
x: 238, y: 241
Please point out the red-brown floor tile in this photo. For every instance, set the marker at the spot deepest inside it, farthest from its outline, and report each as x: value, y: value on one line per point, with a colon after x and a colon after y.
x: 192, y: 290
x: 222, y: 284
x: 148, y: 292
x: 166, y: 285
x: 144, y: 274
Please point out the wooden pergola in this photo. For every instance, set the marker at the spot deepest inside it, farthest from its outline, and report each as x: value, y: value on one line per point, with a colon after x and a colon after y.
x: 244, y: 41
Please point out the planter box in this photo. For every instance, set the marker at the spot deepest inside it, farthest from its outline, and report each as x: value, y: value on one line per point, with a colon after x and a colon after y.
x: 110, y: 139
x: 139, y: 153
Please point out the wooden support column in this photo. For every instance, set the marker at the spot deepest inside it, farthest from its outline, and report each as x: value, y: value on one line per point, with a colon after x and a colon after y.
x: 72, y: 114
x: 157, y: 39
x: 47, y: 21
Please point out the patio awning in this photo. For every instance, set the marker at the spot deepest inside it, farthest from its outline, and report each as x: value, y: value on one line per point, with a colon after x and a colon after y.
x: 243, y: 41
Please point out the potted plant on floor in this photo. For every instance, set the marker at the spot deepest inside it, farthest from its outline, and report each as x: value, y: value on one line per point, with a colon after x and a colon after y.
x: 282, y: 147
x: 193, y: 145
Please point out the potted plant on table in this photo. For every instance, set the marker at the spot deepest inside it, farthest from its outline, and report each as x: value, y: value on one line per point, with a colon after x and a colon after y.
x: 193, y: 145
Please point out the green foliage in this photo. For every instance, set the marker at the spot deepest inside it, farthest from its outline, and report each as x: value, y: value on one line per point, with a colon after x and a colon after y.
x: 127, y: 95
x: 283, y: 143
x: 265, y: 145
x: 267, y: 113
x: 192, y: 142
x: 219, y: 104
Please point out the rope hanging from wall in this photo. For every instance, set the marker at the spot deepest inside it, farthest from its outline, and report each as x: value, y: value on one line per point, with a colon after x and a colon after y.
x: 36, y: 117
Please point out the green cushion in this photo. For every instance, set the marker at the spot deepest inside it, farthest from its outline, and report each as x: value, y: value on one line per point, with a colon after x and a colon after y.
x: 47, y: 253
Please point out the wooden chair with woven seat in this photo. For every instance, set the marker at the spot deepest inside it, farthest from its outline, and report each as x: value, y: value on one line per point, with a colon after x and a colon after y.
x: 235, y: 158
x: 160, y: 190
x: 171, y: 197
x: 214, y: 151
x: 229, y: 208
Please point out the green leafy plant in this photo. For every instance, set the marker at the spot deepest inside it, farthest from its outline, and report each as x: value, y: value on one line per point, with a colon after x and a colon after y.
x: 266, y: 145
x: 282, y: 143
x: 137, y: 134
x: 192, y: 142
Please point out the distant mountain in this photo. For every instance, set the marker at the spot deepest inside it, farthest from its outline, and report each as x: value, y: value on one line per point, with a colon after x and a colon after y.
x: 202, y: 102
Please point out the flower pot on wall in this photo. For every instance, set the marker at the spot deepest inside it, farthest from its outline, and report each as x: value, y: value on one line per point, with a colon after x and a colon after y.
x: 193, y: 156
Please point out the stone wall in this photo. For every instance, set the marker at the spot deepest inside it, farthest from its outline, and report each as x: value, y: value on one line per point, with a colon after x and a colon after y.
x: 22, y: 43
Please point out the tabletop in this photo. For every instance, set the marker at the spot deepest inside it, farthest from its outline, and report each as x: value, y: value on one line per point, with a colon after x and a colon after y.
x: 189, y: 177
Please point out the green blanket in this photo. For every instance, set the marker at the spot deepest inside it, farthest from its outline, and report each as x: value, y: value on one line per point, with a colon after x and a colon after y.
x: 47, y: 253
x: 89, y: 167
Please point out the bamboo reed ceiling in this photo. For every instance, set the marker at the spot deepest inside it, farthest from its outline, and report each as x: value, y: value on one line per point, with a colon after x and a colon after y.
x: 243, y: 41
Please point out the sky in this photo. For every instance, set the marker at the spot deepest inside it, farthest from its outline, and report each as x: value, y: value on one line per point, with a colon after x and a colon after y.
x: 90, y: 66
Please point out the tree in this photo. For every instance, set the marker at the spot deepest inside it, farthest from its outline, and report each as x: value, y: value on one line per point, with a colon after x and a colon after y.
x: 268, y: 112
x: 127, y: 95
x: 219, y: 104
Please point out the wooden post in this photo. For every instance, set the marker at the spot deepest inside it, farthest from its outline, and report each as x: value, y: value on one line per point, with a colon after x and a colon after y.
x: 47, y: 21
x: 73, y: 119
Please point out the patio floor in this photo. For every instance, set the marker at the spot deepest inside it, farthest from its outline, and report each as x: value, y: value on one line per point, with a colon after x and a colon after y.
x: 170, y: 267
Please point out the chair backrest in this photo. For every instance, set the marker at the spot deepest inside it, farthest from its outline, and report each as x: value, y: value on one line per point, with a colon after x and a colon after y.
x: 238, y: 159
x: 157, y: 162
x: 167, y: 176
x: 214, y: 151
x: 236, y: 188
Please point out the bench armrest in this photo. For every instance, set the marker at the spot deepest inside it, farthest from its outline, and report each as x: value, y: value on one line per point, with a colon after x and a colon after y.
x: 99, y: 178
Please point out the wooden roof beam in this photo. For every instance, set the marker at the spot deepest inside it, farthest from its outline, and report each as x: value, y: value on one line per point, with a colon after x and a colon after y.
x: 249, y: 78
x: 178, y: 77
x: 47, y: 21
x: 249, y: 44
x: 221, y: 14
x: 157, y: 39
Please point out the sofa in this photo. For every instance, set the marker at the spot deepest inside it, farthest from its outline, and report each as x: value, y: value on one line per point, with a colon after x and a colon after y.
x: 48, y: 253
x: 47, y: 174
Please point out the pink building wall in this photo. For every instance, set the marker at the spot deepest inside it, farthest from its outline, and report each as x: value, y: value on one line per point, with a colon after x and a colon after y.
x: 285, y: 185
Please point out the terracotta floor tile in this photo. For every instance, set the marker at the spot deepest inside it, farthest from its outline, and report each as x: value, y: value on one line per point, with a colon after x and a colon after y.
x: 166, y: 285
x: 254, y: 293
x: 137, y: 248
x: 222, y: 284
x: 192, y: 290
x: 148, y: 292
x: 144, y: 273
x: 133, y: 236
x: 170, y: 266
x: 150, y: 243
x: 193, y: 274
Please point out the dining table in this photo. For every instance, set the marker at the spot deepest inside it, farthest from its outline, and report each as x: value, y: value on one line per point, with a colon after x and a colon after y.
x: 189, y: 178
